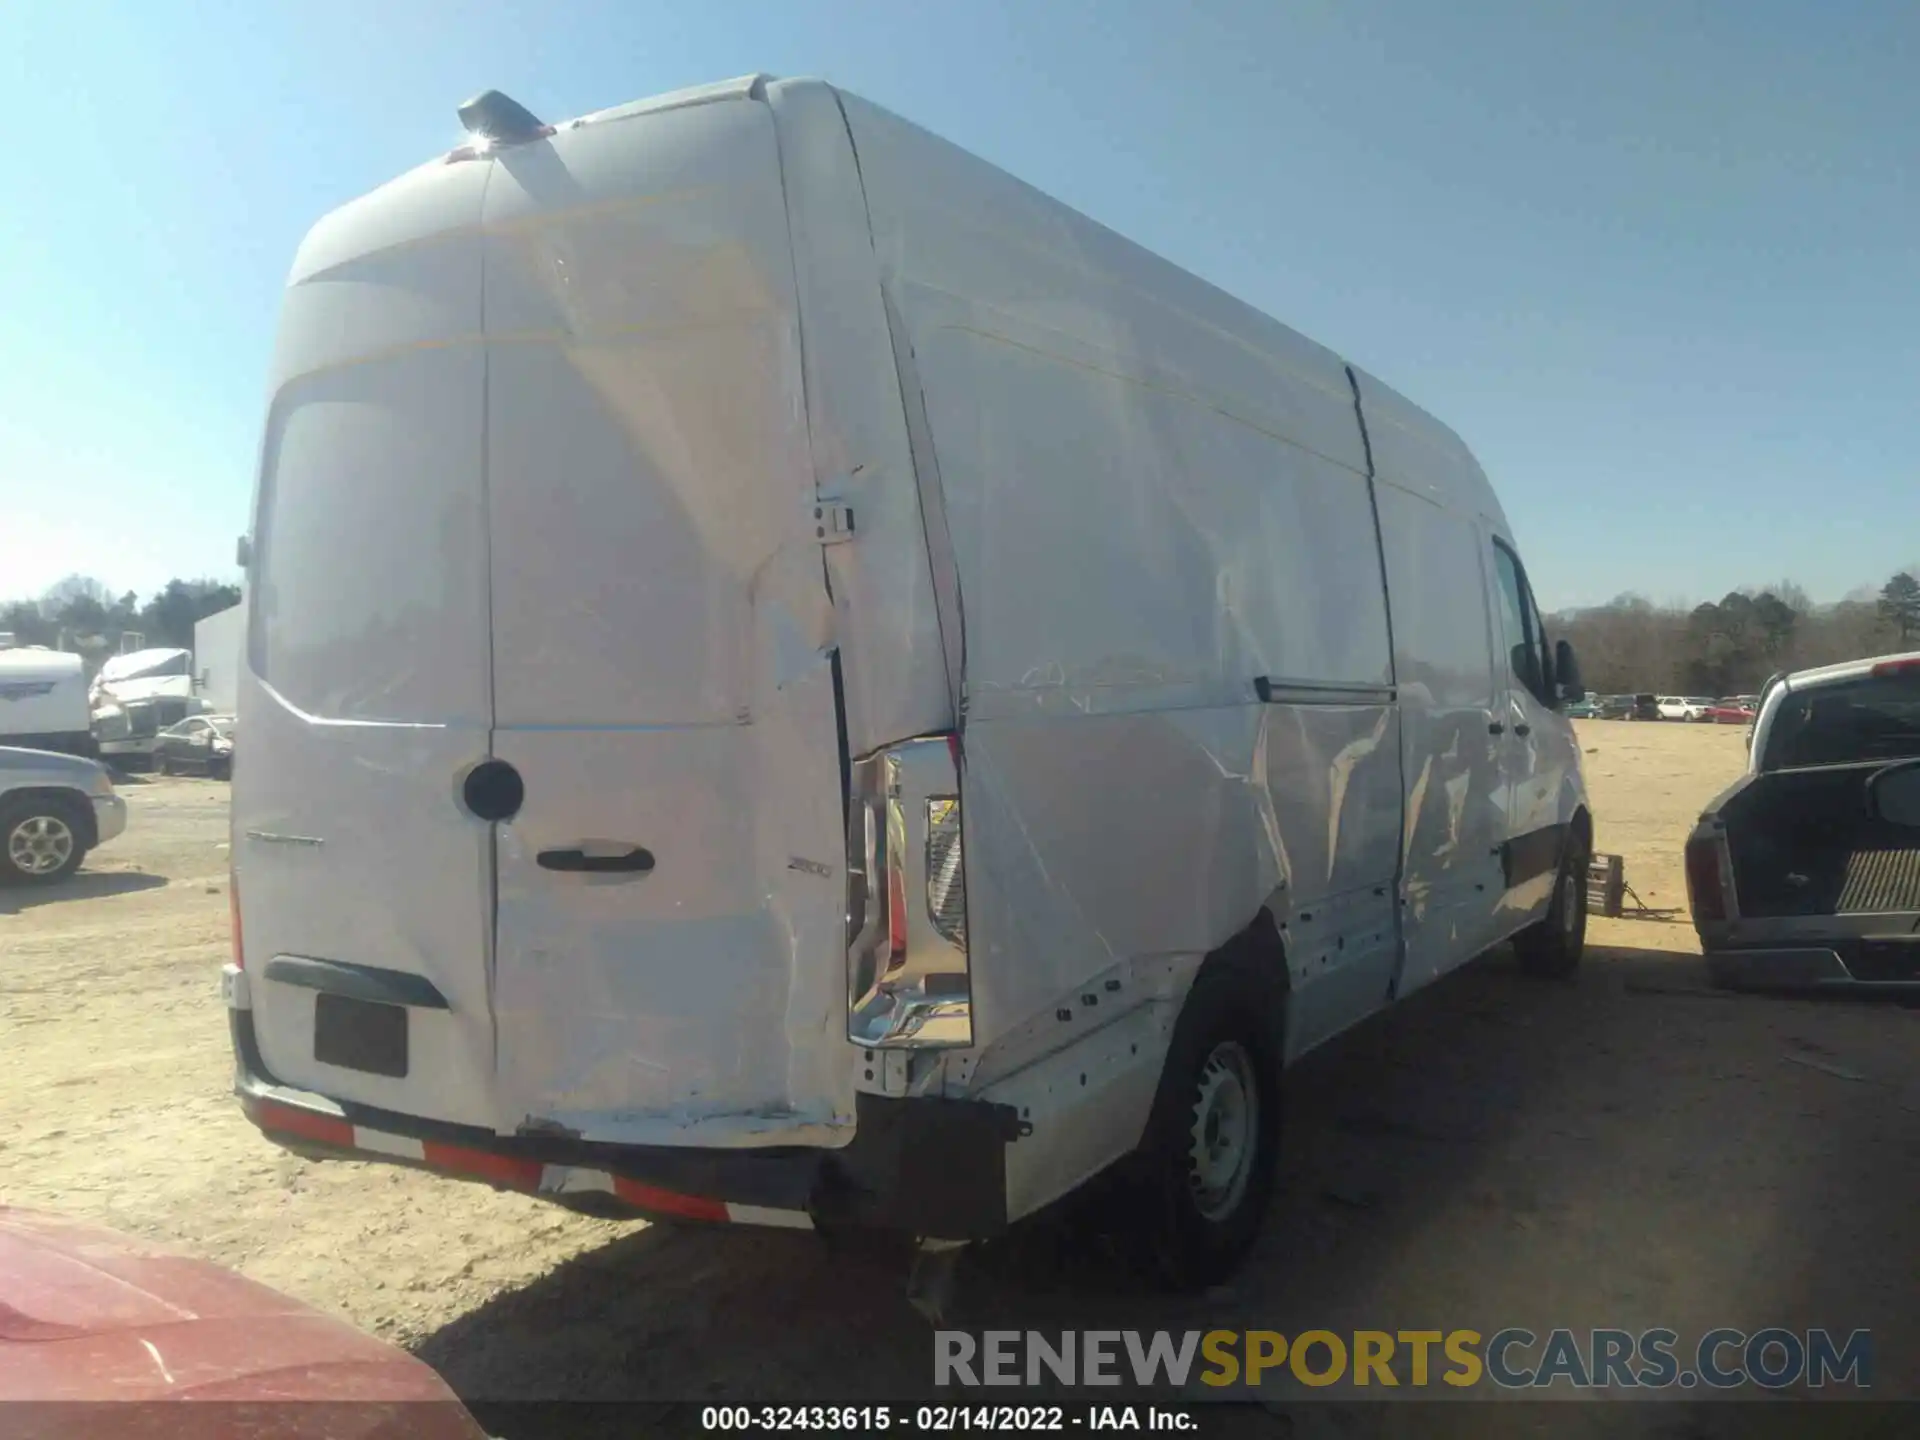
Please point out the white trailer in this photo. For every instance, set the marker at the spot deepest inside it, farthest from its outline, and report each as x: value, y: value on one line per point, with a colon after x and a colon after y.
x: 217, y: 642
x: 43, y: 701
x: 794, y: 678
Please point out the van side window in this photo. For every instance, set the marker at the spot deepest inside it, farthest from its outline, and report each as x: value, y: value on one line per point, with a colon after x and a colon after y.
x: 1520, y: 622
x: 1548, y: 692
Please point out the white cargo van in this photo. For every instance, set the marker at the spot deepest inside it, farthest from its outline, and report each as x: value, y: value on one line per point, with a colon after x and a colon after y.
x: 792, y: 678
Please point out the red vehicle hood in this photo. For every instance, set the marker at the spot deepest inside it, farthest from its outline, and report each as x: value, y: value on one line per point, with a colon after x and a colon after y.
x: 88, y: 1315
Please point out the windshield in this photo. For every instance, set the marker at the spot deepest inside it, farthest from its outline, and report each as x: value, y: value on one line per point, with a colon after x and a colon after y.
x: 1872, y: 718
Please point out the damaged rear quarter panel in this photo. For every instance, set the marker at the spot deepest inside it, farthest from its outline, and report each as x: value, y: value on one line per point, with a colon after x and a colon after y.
x: 1146, y: 512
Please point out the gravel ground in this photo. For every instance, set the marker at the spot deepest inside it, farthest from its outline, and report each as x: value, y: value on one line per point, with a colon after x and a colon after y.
x: 1624, y: 1150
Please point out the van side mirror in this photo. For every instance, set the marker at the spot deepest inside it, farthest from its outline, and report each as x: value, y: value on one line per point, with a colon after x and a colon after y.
x: 1566, y: 670
x: 243, y: 551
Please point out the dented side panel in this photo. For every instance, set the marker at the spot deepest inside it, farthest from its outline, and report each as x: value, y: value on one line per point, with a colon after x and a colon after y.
x: 1153, y: 497
x: 1456, y: 809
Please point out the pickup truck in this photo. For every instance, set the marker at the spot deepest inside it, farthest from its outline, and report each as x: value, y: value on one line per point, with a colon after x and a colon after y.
x: 1805, y: 874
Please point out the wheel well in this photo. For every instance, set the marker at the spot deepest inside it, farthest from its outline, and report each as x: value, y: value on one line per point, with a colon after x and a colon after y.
x: 70, y: 803
x: 1258, y: 954
x: 1582, y: 826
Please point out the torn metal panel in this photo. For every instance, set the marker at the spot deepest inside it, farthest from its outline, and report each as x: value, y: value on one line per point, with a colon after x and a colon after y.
x: 663, y: 635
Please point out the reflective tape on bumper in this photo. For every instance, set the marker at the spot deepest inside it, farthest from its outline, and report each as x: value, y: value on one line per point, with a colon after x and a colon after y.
x: 512, y: 1172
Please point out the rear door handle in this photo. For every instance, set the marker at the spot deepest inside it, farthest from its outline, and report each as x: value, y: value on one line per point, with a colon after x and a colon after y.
x: 1496, y: 728
x: 1523, y: 729
x: 637, y: 861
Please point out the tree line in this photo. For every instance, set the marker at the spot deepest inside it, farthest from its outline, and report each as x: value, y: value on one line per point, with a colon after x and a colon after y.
x: 80, y: 615
x: 1732, y: 645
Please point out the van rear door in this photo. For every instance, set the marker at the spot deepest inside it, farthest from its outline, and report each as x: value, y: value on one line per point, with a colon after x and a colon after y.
x: 365, y: 686
x: 671, y: 905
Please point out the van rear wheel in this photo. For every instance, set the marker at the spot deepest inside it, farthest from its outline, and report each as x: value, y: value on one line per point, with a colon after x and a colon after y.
x: 1551, y: 949
x: 1204, y: 1172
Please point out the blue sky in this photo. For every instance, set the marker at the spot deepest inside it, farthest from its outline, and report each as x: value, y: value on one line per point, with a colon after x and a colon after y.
x: 1658, y: 262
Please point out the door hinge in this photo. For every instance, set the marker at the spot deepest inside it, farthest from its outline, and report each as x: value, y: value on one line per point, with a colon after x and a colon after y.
x: 832, y: 522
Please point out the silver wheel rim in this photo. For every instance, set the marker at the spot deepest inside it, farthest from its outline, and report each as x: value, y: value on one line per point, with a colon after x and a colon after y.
x: 40, y: 844
x: 1226, y: 1130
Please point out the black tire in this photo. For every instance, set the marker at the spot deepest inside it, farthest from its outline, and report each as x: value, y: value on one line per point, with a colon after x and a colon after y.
x: 42, y: 841
x: 1186, y: 1236
x: 1551, y: 948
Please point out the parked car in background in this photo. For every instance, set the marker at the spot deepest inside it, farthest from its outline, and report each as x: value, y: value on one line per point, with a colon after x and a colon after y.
x: 1692, y: 708
x: 94, y: 1316
x: 1582, y: 710
x: 199, y: 745
x: 1614, y: 707
x: 126, y: 731
x: 53, y: 809
x: 1806, y: 873
x: 1734, y: 710
x: 1644, y: 707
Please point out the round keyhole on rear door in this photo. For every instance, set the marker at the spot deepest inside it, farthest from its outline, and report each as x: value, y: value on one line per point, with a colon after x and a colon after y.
x: 493, y: 790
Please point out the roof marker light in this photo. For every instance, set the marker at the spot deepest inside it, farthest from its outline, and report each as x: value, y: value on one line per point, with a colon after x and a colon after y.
x: 494, y: 119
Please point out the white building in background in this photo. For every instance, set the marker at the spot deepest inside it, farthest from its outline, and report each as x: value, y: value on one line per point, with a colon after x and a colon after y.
x: 216, y: 657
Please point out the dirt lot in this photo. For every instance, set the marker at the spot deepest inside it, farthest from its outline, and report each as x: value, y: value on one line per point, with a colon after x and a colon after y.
x: 1623, y: 1150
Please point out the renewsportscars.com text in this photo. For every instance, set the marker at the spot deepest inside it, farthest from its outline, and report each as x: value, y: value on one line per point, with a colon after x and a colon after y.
x: 1511, y: 1359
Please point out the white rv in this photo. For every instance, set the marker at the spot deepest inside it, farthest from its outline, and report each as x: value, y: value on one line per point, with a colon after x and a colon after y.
x: 792, y: 678
x: 43, y: 701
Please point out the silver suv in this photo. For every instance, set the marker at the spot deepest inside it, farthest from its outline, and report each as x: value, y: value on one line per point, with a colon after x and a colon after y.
x: 53, y: 810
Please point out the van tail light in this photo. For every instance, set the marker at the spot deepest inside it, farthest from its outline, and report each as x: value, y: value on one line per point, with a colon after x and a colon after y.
x: 946, y: 871
x: 909, y: 984
x: 233, y: 907
x: 896, y: 889
x: 1705, y: 892
x: 1887, y: 669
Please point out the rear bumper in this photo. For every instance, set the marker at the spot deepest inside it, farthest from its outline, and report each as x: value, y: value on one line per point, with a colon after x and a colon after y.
x: 1861, y: 965
x: 929, y: 1167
